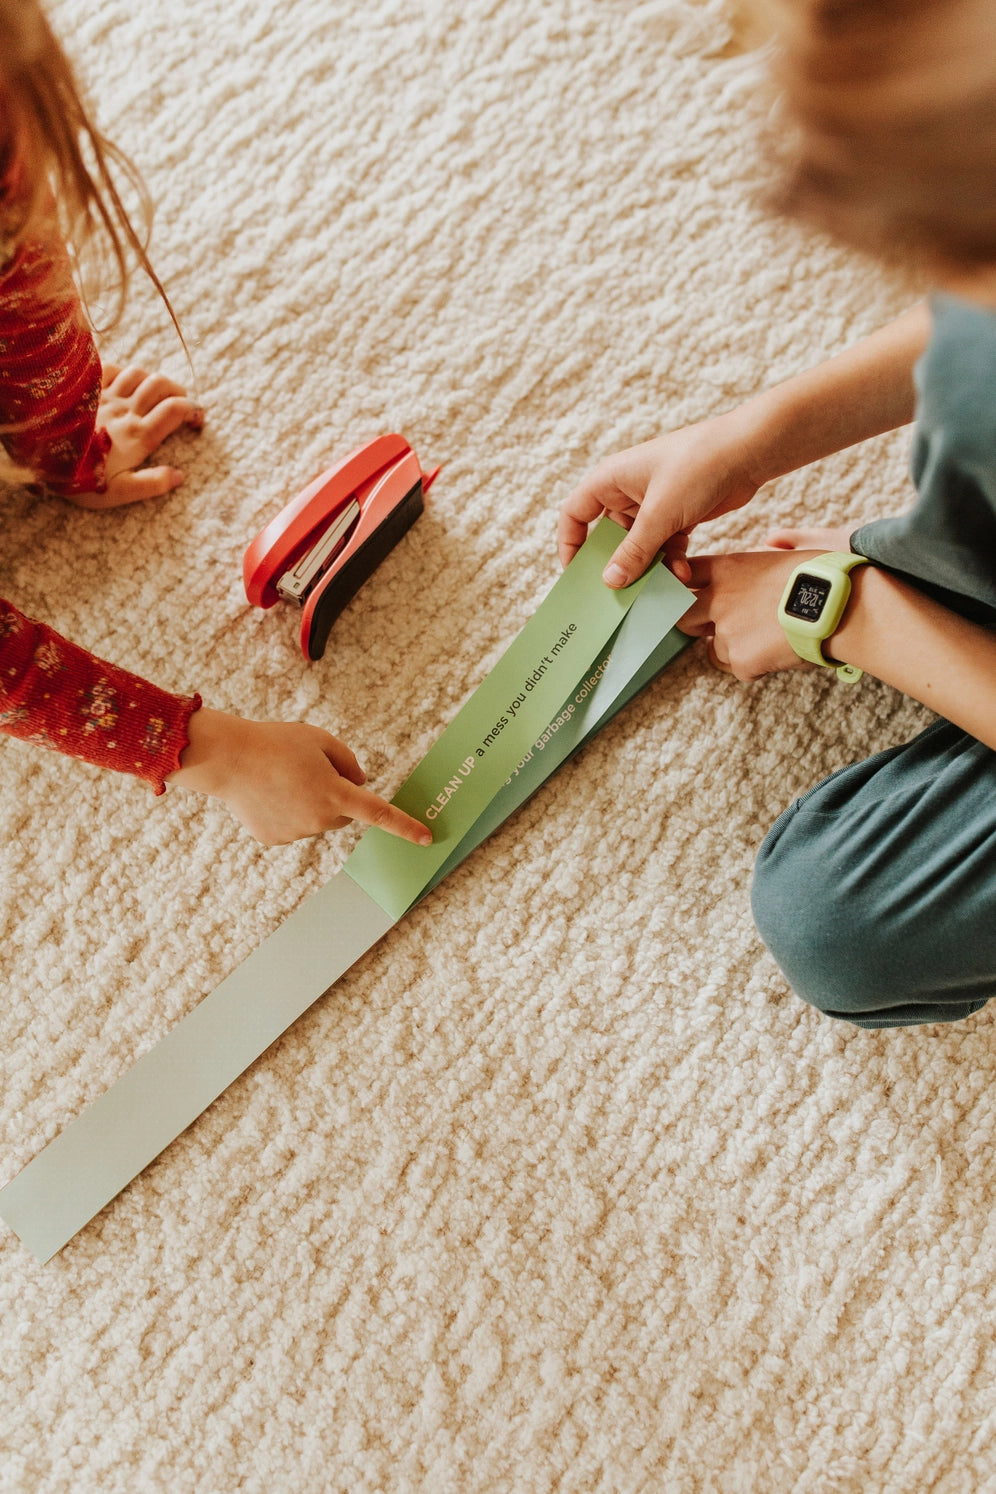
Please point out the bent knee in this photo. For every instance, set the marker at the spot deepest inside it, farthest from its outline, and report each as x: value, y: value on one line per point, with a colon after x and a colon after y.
x: 876, y: 892
x: 854, y: 942
x: 822, y: 942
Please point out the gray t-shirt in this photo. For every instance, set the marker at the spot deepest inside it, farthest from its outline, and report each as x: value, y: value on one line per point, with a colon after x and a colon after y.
x: 946, y: 544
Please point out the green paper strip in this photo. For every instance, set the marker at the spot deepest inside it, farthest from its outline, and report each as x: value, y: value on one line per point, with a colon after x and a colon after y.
x: 612, y: 680
x: 166, y: 1089
x: 492, y: 732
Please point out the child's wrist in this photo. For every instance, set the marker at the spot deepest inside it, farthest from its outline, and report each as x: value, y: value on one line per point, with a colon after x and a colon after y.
x: 216, y: 742
x: 744, y: 435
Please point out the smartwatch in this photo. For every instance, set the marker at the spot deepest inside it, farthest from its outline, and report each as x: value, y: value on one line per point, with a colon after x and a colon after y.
x: 812, y: 606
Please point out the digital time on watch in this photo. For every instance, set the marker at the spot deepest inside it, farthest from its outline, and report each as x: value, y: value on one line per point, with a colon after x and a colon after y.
x: 812, y: 606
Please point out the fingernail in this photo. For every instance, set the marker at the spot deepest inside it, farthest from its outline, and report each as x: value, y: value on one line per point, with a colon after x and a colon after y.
x: 614, y: 575
x: 176, y: 478
x: 425, y: 839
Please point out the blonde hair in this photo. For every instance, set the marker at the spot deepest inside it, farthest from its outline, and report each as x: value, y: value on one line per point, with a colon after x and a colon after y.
x: 885, y: 131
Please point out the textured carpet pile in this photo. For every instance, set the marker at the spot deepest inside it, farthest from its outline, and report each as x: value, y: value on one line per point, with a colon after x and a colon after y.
x: 560, y: 1189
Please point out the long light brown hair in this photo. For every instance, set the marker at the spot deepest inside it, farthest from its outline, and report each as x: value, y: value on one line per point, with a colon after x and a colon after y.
x: 885, y: 127
x: 60, y: 171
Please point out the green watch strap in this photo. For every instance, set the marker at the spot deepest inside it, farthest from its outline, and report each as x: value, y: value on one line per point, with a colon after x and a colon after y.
x: 846, y: 560
x: 807, y: 635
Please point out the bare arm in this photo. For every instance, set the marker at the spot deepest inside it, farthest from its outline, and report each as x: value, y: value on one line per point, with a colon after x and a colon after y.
x: 859, y: 393
x: 663, y: 488
x: 890, y: 629
x: 905, y: 638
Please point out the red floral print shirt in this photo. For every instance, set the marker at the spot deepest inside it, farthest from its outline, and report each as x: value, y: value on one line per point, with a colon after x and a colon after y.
x: 52, y: 691
x: 56, y: 694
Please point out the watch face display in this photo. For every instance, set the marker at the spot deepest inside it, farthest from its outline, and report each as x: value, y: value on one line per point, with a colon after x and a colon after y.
x: 808, y: 597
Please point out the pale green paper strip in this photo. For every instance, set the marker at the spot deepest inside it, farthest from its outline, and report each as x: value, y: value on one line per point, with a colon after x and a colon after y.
x: 476, y: 753
x: 167, y: 1088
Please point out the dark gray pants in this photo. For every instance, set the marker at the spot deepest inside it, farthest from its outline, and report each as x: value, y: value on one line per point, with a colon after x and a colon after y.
x: 876, y: 891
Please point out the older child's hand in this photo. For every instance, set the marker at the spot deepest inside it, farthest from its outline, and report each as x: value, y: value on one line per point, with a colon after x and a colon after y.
x: 659, y: 491
x: 284, y: 780
x: 736, y: 610
x: 138, y: 410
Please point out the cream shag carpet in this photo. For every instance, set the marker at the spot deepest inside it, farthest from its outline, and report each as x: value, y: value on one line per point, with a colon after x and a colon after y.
x: 560, y: 1189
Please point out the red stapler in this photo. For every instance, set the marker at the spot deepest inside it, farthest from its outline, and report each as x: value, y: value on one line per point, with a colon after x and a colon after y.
x: 322, y: 547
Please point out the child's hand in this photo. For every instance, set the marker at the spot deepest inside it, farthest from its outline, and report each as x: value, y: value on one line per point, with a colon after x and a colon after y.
x: 138, y: 410
x: 736, y: 609
x: 284, y: 780
x: 659, y: 491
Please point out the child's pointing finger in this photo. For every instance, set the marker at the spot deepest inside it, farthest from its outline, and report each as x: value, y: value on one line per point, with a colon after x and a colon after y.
x: 360, y: 804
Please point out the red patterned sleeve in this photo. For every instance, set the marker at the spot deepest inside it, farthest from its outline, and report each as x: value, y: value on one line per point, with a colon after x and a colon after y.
x: 56, y: 694
x: 50, y: 380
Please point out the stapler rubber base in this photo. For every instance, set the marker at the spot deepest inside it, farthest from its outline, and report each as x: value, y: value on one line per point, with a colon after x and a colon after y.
x: 324, y: 606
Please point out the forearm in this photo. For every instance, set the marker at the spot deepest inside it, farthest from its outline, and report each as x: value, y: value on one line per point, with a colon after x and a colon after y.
x: 57, y: 694
x: 863, y: 391
x: 896, y: 633
x: 661, y: 489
